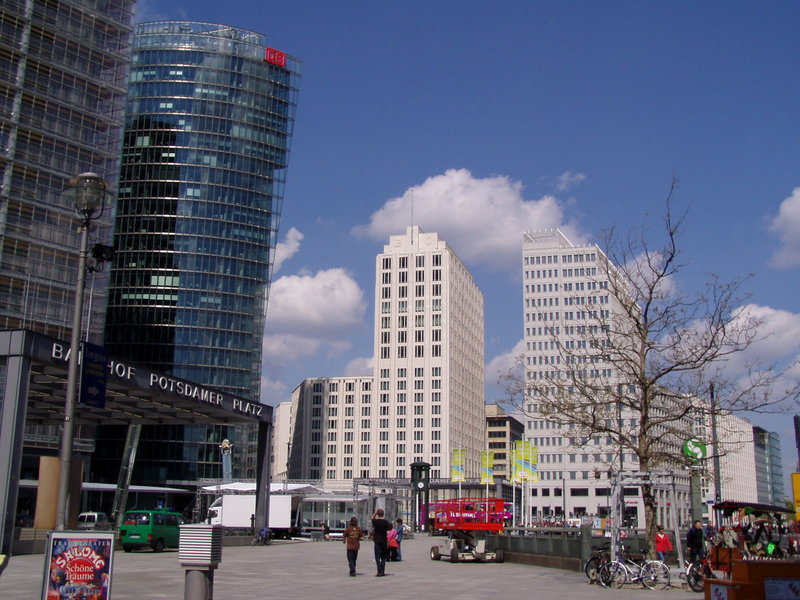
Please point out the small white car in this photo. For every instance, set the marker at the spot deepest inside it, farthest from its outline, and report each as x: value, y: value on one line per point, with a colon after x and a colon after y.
x: 94, y: 520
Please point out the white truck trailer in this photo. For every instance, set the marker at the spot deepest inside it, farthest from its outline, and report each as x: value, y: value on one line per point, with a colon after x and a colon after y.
x: 237, y: 510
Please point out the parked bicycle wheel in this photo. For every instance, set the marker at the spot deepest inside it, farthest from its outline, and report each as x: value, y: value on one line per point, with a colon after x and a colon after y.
x: 694, y: 578
x: 592, y: 568
x: 613, y: 574
x: 655, y: 574
x: 604, y: 575
x: 696, y: 574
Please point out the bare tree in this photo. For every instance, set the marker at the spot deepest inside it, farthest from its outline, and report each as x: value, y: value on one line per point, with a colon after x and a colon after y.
x: 637, y: 371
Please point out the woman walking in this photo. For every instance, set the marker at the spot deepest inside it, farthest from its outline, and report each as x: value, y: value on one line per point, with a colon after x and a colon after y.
x: 663, y: 545
x: 352, y: 538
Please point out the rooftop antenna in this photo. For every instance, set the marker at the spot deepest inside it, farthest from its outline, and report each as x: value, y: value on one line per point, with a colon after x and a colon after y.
x: 412, y: 216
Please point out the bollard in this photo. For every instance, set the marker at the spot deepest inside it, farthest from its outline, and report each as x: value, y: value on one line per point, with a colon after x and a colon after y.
x: 200, y: 552
x: 198, y: 585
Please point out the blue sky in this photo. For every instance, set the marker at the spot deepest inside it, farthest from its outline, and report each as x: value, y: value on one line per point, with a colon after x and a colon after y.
x: 505, y: 116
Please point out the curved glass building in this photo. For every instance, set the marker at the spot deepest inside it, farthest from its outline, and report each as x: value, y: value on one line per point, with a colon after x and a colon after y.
x: 209, y: 119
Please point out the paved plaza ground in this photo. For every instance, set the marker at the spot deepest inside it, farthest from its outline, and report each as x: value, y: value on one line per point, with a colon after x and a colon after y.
x: 318, y: 571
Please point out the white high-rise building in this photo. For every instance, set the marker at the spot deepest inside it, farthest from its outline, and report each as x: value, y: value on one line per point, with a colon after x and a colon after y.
x: 428, y: 354
x: 282, y: 418
x: 561, y: 295
x: 426, y: 396
x: 567, y: 303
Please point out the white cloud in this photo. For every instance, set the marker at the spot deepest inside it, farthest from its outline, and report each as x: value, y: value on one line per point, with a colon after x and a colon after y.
x: 359, y: 367
x: 150, y: 10
x: 643, y: 270
x: 482, y: 219
x: 308, y: 314
x: 567, y: 180
x: 775, y: 351
x: 272, y: 392
x: 502, y: 364
x: 787, y: 227
x: 287, y: 248
x: 778, y: 336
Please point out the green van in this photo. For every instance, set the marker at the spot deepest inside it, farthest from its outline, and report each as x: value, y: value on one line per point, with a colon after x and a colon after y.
x: 156, y: 528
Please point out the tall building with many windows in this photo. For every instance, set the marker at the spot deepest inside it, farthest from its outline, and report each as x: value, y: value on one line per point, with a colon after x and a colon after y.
x: 63, y: 71
x: 502, y: 432
x: 426, y: 395
x: 209, y: 119
x: 428, y: 356
x: 769, y: 467
x: 565, y: 299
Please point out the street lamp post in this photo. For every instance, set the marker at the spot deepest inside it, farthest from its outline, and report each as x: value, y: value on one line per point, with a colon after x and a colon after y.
x: 89, y: 194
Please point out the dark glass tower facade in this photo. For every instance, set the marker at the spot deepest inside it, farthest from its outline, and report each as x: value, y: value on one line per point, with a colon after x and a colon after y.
x: 207, y: 129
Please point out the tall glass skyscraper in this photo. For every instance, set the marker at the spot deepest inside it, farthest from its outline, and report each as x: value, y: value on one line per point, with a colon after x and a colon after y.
x: 209, y: 118
x: 63, y: 69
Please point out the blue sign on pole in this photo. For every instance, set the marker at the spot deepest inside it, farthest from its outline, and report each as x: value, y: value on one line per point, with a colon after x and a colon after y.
x: 94, y: 370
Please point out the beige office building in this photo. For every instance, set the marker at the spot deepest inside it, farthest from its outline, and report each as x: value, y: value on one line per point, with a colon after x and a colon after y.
x: 426, y: 396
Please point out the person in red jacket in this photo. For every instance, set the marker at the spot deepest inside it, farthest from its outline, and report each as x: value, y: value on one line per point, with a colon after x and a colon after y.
x: 663, y: 545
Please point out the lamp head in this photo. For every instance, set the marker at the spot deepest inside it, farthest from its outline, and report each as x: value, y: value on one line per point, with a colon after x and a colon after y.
x: 89, y: 194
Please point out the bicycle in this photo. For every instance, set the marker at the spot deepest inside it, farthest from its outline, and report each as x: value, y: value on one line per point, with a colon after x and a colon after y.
x: 697, y: 572
x: 600, y: 555
x: 262, y: 537
x: 651, y: 574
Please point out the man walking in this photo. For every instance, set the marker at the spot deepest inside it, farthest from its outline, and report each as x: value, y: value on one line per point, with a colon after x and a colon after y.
x: 695, y: 542
x: 380, y: 528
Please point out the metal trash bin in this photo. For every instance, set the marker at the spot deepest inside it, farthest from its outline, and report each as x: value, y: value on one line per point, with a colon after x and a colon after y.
x: 200, y: 552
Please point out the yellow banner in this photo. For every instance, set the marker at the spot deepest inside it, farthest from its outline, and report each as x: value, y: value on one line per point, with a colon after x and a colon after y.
x: 526, y: 460
x: 457, y: 457
x: 514, y: 472
x: 487, y: 466
x: 796, y: 488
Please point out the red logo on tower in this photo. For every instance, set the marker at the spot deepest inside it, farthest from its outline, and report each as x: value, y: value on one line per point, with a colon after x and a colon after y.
x: 275, y: 57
